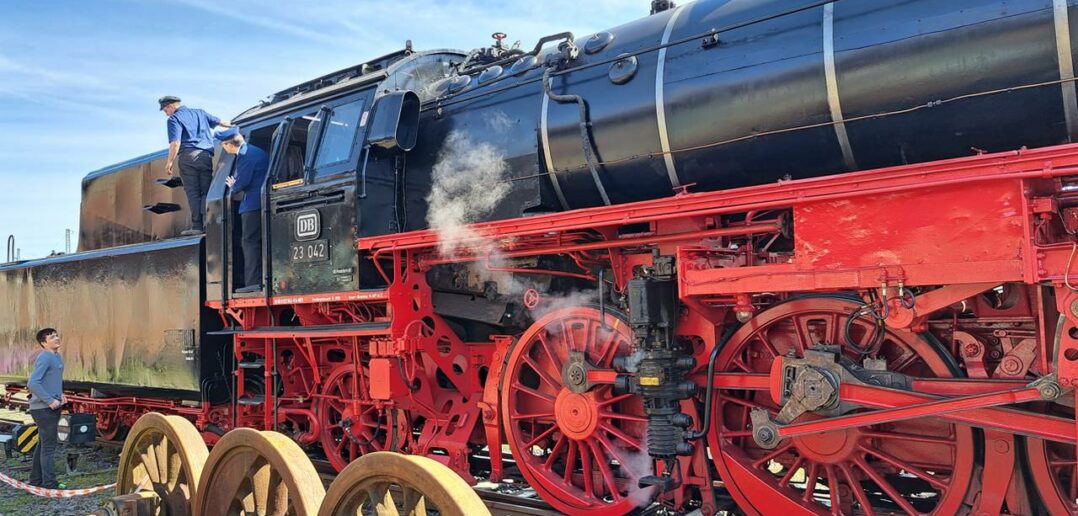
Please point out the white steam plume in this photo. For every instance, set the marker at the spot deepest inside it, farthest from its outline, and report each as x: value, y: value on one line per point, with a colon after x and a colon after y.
x: 469, y: 182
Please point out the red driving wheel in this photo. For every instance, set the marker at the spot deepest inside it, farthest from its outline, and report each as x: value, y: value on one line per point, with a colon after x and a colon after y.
x: 1053, y: 466
x: 908, y: 467
x: 582, y: 451
x: 351, y: 422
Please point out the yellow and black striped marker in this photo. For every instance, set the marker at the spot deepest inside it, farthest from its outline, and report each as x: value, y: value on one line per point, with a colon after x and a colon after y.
x: 26, y: 438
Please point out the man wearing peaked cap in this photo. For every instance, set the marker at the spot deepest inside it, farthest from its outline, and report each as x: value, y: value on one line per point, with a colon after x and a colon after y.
x: 191, y: 145
x: 250, y: 176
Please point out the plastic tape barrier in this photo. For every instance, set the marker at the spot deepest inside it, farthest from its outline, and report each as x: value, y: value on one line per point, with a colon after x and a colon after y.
x: 51, y: 493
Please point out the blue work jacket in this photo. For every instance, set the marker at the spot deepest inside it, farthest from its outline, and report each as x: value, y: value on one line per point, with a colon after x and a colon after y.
x: 251, y: 166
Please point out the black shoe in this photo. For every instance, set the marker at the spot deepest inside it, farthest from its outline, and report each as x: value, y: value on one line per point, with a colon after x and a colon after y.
x: 248, y: 289
x: 191, y: 232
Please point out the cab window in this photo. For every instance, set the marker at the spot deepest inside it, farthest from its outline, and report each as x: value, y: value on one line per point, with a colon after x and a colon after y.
x: 299, y: 149
x: 338, y: 140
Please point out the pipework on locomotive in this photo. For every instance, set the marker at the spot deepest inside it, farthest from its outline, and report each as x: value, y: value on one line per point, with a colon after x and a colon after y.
x: 794, y: 259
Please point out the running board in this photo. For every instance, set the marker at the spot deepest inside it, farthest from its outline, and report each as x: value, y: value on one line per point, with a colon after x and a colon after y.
x: 327, y: 330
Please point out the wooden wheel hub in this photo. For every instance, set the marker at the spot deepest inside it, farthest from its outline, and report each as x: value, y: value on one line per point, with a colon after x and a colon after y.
x: 405, y: 485
x: 163, y: 455
x: 252, y: 472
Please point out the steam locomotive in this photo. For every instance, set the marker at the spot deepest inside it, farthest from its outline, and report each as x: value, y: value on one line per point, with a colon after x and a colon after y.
x: 641, y: 258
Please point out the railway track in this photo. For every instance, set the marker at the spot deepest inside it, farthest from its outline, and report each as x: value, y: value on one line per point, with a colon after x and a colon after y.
x: 500, y: 504
x: 505, y: 504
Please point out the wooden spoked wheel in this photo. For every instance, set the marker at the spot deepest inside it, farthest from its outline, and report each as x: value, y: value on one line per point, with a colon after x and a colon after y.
x: 165, y: 455
x: 392, y: 484
x: 252, y: 472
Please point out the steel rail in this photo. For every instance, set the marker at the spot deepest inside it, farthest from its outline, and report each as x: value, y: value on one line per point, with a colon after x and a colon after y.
x: 499, y: 503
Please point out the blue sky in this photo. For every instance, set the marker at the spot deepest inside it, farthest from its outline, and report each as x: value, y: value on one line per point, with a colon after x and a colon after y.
x: 79, y: 80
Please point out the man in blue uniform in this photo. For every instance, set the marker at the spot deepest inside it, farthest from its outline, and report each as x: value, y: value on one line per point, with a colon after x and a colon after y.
x: 250, y: 176
x: 190, y: 144
x: 46, y: 386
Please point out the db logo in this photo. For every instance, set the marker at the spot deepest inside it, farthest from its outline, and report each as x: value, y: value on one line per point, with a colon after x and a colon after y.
x: 308, y: 225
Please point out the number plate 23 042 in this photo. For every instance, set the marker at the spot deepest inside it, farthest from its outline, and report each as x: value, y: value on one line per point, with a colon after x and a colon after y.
x: 311, y: 251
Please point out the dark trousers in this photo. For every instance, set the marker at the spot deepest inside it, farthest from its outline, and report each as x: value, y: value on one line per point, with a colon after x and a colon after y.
x: 196, y: 171
x: 252, y: 247
x: 42, y: 471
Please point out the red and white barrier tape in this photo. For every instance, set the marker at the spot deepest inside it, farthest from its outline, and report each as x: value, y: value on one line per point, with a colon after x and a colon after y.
x: 51, y: 493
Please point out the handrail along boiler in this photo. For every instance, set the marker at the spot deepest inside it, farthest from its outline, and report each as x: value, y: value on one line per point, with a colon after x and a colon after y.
x: 803, y: 257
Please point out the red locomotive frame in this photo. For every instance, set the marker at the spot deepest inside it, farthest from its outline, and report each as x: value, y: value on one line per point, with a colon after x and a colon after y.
x: 988, y: 342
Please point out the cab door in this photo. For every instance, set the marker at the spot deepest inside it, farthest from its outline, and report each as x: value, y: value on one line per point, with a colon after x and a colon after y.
x: 312, y: 201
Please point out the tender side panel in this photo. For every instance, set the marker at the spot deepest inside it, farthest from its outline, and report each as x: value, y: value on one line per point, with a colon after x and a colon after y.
x: 130, y: 317
x: 115, y: 200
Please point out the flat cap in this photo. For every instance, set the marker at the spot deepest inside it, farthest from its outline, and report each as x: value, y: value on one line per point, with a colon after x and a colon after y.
x: 226, y: 134
x: 166, y: 100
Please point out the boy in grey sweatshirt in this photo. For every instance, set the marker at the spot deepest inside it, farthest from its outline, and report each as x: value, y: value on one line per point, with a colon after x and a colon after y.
x: 46, y: 386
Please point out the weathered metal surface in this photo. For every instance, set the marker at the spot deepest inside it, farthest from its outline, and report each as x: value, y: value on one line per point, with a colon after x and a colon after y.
x: 130, y: 316
x: 113, y: 202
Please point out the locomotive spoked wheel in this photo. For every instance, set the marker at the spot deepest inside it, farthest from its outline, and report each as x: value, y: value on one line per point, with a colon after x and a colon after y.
x: 582, y: 450
x: 1052, y: 466
x: 165, y: 455
x: 351, y: 423
x: 387, y: 483
x: 253, y: 472
x: 909, y: 467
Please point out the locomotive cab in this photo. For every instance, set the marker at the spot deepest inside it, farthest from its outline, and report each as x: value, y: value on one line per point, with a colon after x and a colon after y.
x: 309, y: 220
x: 337, y: 171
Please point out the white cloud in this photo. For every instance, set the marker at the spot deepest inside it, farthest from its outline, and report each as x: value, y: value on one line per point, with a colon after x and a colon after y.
x: 252, y: 15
